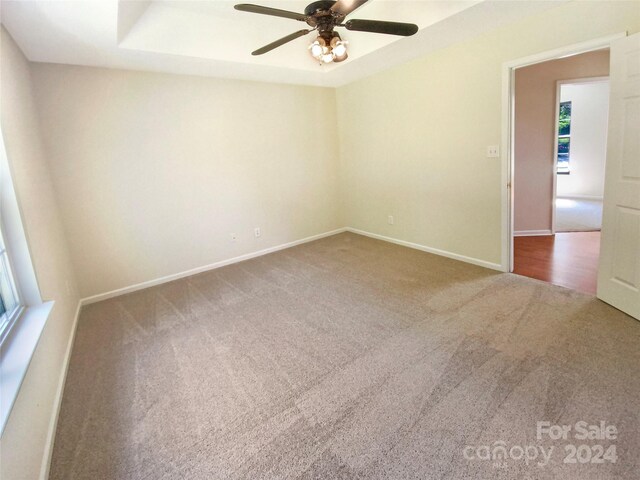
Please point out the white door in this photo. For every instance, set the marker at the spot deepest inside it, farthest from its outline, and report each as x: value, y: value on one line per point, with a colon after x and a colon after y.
x: 619, y: 269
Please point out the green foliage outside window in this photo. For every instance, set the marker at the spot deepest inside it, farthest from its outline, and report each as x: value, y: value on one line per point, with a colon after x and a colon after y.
x: 564, y: 138
x: 564, y: 122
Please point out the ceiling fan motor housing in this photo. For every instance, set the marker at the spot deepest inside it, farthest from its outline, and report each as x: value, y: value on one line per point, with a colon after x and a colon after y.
x: 320, y: 6
x: 320, y: 15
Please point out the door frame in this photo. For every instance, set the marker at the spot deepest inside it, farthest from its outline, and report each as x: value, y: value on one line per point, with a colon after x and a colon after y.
x: 508, y: 124
x: 559, y: 84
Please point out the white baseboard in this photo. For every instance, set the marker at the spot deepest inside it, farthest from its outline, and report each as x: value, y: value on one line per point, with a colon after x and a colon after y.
x: 532, y: 233
x: 580, y: 197
x: 436, y: 251
x: 46, y: 461
x: 158, y: 281
x: 57, y: 402
x: 48, y: 452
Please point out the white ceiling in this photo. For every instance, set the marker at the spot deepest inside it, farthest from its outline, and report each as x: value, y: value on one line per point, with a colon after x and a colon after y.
x: 211, y: 38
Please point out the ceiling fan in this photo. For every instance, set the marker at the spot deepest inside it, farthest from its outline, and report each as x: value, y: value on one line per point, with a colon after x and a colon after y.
x: 323, y: 16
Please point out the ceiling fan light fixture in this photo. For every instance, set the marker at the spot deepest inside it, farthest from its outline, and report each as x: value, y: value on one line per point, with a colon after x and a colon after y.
x: 320, y: 50
x: 327, y: 51
x: 340, y: 50
x: 316, y: 49
x: 340, y: 58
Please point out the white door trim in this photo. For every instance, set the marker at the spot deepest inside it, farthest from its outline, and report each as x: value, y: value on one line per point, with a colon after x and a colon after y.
x: 508, y: 73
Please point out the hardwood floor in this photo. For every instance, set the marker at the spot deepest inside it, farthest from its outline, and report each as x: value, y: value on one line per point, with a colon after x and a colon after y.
x: 566, y: 259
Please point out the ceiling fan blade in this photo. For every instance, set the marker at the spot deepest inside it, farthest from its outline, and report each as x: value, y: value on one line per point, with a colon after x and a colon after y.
x: 345, y: 7
x: 282, y: 41
x: 378, y: 26
x: 247, y: 7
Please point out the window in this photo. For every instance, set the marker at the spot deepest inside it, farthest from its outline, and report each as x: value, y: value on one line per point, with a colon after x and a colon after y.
x: 23, y: 314
x: 564, y: 138
x: 10, y: 307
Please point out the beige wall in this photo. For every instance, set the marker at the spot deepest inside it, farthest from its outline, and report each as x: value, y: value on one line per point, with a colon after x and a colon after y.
x: 25, y: 435
x: 535, y: 116
x: 154, y: 172
x: 414, y: 138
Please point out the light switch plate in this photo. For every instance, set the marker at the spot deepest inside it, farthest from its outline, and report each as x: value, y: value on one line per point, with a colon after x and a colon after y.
x: 493, y: 151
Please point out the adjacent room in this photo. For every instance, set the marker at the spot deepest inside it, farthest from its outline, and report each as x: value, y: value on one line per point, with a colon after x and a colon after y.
x: 582, y: 150
x: 560, y: 150
x: 352, y: 239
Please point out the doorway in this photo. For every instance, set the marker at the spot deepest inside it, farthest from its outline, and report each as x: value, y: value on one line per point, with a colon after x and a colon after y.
x: 559, y: 152
x: 618, y: 269
x: 582, y: 107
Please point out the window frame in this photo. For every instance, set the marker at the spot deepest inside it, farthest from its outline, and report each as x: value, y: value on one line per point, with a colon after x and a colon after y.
x: 563, y: 170
x: 9, y: 318
x: 21, y: 334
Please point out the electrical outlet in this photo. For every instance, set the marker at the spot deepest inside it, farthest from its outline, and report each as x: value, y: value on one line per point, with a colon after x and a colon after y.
x: 234, y: 237
x: 257, y: 232
x: 493, y: 151
x: 390, y: 220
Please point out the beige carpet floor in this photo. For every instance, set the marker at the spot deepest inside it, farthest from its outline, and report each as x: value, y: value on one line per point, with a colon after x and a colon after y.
x: 347, y: 358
